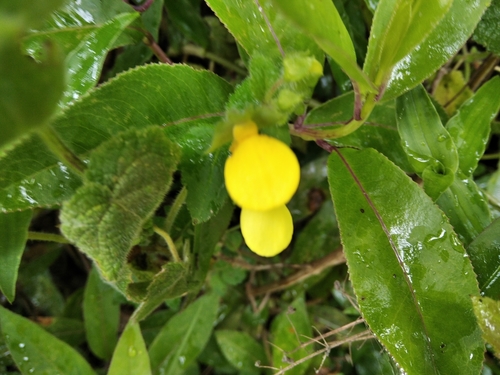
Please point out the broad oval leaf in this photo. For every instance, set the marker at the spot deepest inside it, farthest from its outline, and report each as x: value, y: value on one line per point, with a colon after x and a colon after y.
x: 183, y: 337
x: 101, y: 314
x: 241, y: 350
x: 126, y: 180
x: 130, y: 356
x: 35, y: 351
x: 483, y: 252
x: 411, y: 275
x: 439, y: 46
x: 13, y: 236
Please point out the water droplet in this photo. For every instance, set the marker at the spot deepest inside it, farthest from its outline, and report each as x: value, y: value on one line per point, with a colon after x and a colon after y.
x: 182, y: 359
x: 31, y: 370
x: 21, y: 345
x: 26, y: 359
x: 131, y: 351
x: 441, y: 137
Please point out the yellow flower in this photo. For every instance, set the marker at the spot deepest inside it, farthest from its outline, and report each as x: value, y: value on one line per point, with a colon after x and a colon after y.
x: 267, y: 233
x: 262, y: 174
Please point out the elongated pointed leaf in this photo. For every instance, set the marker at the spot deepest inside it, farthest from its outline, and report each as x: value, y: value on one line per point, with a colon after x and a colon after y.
x: 101, y: 314
x: 183, y: 337
x: 427, y: 143
x: 130, y: 356
x: 241, y: 350
x: 398, y: 27
x: 127, y: 178
x: 411, y: 275
x: 321, y: 20
x: 483, y: 252
x: 470, y: 127
x: 13, y: 236
x: 437, y: 48
x: 84, y: 64
x: 35, y: 351
x: 173, y: 96
x: 488, y: 316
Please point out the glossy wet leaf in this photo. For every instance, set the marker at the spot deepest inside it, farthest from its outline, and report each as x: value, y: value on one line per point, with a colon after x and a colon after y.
x: 130, y: 356
x: 287, y: 328
x: 136, y: 99
x: 403, y: 255
x: 127, y: 179
x: 241, y: 350
x: 187, y: 19
x: 85, y: 62
x: 487, y: 33
x: 398, y: 27
x: 13, y: 236
x: 483, y: 252
x: 321, y: 21
x: 36, y: 351
x: 487, y: 312
x: 437, y: 48
x: 248, y: 25
x: 101, y: 314
x: 430, y: 149
x: 466, y: 208
x: 183, y: 337
x: 170, y: 282
x: 470, y: 127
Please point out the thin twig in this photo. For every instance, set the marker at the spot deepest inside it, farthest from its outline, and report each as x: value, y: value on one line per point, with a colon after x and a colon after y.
x: 39, y: 236
x: 169, y: 241
x: 150, y: 41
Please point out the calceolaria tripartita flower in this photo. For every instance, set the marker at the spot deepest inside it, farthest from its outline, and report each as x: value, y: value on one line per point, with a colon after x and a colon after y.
x: 261, y: 175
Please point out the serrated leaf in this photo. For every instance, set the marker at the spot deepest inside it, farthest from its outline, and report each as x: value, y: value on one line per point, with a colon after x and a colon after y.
x: 483, y: 252
x: 241, y: 350
x: 487, y: 32
x: 470, y: 127
x: 398, y: 27
x: 130, y: 356
x: 84, y: 63
x: 488, y: 316
x: 403, y: 256
x: 101, y: 314
x: 183, y: 337
x: 13, y: 236
x: 466, y: 209
x: 170, y: 282
x: 30, y: 176
x: 287, y: 328
x: 126, y: 180
x: 321, y: 20
x: 430, y: 149
x: 36, y: 351
x: 247, y: 23
x: 437, y: 48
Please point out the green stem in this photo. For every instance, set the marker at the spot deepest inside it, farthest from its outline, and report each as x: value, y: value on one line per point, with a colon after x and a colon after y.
x: 170, y: 243
x: 55, y: 144
x: 192, y: 50
x: 39, y: 236
x: 491, y: 156
x: 174, y: 211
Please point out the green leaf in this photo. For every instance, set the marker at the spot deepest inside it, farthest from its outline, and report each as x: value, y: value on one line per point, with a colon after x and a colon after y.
x: 470, y: 127
x: 170, y: 282
x: 13, y: 236
x: 183, y: 337
x: 247, y: 23
x: 101, y: 314
x: 30, y: 176
x: 488, y: 316
x: 483, y: 252
x: 71, y: 331
x: 184, y: 16
x: 403, y: 255
x: 321, y: 20
x: 466, y: 208
x: 36, y: 351
x: 437, y: 48
x: 427, y: 143
x: 287, y: 329
x: 241, y: 350
x: 398, y: 27
x: 126, y: 180
x: 26, y: 13
x: 487, y: 32
x: 130, y: 356
x: 84, y: 63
